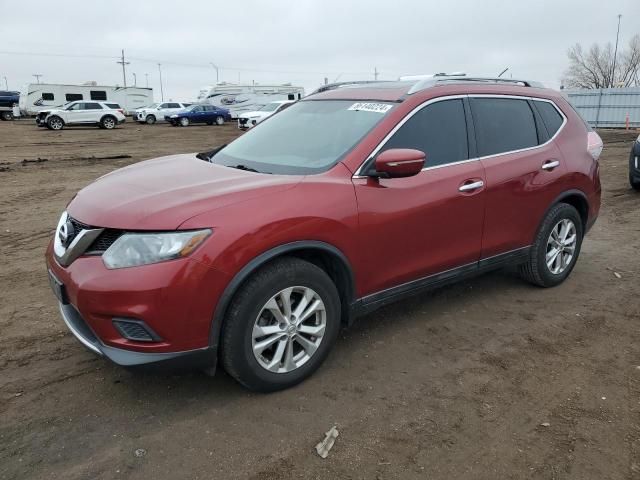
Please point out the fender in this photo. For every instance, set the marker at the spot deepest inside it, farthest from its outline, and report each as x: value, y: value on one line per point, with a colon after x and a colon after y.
x: 257, y: 262
x: 561, y: 197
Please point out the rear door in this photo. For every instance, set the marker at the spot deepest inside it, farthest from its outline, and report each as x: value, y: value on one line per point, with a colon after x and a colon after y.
x: 523, y: 167
x: 416, y: 227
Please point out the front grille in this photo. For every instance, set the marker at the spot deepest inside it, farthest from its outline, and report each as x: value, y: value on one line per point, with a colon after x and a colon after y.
x: 104, y: 241
x: 100, y: 244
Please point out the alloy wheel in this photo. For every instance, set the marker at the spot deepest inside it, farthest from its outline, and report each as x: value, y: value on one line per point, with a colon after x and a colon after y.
x: 561, y: 246
x: 289, y: 329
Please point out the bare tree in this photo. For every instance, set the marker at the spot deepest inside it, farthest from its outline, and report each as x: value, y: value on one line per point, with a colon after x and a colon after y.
x: 594, y: 68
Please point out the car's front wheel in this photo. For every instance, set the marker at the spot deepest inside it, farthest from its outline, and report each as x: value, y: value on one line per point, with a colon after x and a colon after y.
x: 219, y: 120
x: 7, y: 116
x: 556, y: 247
x: 184, y: 122
x: 280, y: 325
x: 55, y: 123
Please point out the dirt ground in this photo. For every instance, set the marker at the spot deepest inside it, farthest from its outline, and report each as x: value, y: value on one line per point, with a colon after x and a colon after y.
x: 488, y: 379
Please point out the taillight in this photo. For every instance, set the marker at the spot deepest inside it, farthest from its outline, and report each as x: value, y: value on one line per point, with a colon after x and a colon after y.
x: 121, y: 111
x: 594, y: 145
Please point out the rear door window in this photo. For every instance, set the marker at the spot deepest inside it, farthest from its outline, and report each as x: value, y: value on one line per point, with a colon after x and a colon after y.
x: 550, y: 116
x: 174, y: 105
x: 113, y: 106
x: 92, y: 106
x: 503, y: 125
x: 439, y: 130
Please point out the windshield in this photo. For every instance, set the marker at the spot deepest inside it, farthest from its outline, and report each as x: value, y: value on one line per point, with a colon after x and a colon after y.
x: 308, y: 137
x: 269, y: 107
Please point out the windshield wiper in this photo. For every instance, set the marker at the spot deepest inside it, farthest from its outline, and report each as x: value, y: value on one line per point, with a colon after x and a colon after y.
x: 246, y: 169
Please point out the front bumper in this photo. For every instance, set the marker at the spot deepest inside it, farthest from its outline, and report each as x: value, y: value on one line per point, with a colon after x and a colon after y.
x: 198, y: 358
x: 175, y: 300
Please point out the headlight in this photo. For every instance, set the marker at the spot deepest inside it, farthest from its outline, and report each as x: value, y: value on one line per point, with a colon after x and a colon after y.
x: 133, y: 249
x: 174, y: 116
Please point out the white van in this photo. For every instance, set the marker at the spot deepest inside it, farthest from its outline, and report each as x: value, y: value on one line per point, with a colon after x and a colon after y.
x: 239, y: 99
x: 42, y: 96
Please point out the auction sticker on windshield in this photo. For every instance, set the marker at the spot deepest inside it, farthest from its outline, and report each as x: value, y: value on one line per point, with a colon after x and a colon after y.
x: 371, y: 107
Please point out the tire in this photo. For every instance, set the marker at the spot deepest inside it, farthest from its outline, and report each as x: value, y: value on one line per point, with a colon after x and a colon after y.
x: 6, y: 116
x: 55, y: 123
x: 249, y: 309
x: 108, y: 122
x: 635, y: 184
x: 150, y: 120
x: 537, y: 270
x: 219, y: 120
x: 184, y: 122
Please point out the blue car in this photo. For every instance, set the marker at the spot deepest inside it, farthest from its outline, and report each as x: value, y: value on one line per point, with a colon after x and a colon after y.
x: 199, y: 114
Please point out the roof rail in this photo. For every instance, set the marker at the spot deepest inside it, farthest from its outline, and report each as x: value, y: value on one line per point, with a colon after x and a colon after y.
x: 431, y: 82
x: 333, y: 86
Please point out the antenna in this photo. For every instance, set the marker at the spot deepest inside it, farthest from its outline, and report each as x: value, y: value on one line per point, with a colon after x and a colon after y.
x: 124, y: 74
x: 503, y: 72
x: 38, y: 75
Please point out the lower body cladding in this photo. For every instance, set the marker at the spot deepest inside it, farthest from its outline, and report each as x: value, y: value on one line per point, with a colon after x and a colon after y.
x: 150, y: 316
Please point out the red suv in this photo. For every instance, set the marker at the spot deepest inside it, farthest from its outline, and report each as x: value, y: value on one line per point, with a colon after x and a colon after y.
x: 257, y: 252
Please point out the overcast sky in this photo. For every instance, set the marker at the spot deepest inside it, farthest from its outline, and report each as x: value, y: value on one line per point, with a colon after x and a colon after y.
x: 297, y: 41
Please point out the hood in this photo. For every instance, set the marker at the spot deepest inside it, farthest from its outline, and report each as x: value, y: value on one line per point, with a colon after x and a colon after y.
x: 163, y: 193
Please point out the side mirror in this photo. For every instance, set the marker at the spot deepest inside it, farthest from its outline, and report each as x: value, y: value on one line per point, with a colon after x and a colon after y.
x: 398, y: 163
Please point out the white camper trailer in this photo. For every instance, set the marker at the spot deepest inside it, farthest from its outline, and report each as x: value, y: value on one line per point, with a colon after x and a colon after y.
x: 40, y: 96
x: 239, y: 99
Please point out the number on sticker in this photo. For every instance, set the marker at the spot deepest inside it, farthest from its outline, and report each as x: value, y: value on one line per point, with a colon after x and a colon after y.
x: 370, y: 107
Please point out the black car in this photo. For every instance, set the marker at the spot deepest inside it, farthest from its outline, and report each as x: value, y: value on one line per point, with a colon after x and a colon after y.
x: 634, y: 165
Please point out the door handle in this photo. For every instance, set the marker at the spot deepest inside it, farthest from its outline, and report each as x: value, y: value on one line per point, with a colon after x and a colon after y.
x: 550, y: 164
x: 468, y: 187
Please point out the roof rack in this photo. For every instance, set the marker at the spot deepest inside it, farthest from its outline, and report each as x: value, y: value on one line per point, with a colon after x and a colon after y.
x: 437, y: 79
x: 333, y: 86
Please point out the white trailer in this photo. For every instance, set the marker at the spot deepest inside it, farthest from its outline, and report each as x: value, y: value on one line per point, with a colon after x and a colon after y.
x: 40, y: 96
x: 239, y: 98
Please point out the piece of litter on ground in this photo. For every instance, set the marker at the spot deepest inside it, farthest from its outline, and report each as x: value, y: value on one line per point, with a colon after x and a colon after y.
x: 604, y: 398
x: 18, y: 394
x: 140, y: 452
x: 325, y: 445
x: 617, y: 275
x: 545, y: 424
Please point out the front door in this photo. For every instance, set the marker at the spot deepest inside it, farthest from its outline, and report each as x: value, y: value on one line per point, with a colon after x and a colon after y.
x: 429, y: 224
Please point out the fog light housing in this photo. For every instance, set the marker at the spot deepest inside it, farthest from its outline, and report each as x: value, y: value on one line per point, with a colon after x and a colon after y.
x: 135, y: 330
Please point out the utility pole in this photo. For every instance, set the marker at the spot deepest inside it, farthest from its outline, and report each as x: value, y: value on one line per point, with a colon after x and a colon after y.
x: 124, y: 73
x: 135, y: 80
x: 6, y: 84
x: 375, y: 73
x: 216, y: 67
x: 161, y: 91
x: 146, y: 78
x: 615, y: 55
x: 37, y: 75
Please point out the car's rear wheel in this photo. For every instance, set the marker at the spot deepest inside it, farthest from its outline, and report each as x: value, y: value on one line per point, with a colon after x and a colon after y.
x: 184, y: 122
x: 7, y: 116
x: 108, y: 122
x: 556, y: 247
x: 280, y: 325
x: 219, y: 120
x: 150, y: 120
x: 55, y: 123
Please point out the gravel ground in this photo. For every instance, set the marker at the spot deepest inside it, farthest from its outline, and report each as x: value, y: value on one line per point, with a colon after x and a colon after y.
x: 490, y: 378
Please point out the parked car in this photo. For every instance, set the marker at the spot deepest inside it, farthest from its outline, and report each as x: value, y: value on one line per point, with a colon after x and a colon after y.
x: 199, y: 114
x: 256, y: 252
x: 8, y: 101
x: 158, y: 111
x: 101, y: 114
x: 634, y: 165
x: 251, y: 119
